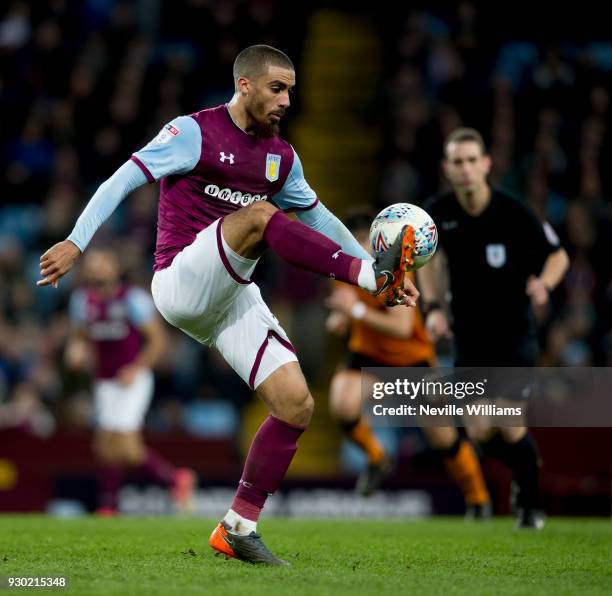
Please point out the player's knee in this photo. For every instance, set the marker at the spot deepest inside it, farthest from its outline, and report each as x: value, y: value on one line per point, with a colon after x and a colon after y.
x: 335, y: 406
x: 481, y: 435
x: 103, y: 453
x: 132, y: 449
x: 512, y: 434
x: 343, y: 410
x: 104, y: 448
x: 132, y: 458
x: 345, y: 397
x: 441, y: 438
x: 260, y: 214
x: 306, y: 408
x: 301, y: 407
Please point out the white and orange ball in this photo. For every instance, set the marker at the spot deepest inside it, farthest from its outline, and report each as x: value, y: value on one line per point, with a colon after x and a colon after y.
x: 390, y: 221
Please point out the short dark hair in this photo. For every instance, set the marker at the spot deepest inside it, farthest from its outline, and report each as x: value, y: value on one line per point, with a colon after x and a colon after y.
x: 253, y: 61
x: 465, y: 134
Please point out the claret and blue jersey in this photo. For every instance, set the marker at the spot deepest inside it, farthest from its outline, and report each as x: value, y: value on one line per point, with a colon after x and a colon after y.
x: 112, y: 325
x: 210, y: 167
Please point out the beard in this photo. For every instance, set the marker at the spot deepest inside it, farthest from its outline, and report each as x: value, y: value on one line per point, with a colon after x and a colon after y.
x: 261, y: 125
x: 265, y: 129
x: 268, y: 130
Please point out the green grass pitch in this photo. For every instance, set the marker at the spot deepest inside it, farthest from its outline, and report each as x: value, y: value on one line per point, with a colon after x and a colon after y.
x: 432, y: 556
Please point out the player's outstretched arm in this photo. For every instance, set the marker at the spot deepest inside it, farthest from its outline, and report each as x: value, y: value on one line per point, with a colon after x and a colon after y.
x: 175, y: 150
x: 60, y: 258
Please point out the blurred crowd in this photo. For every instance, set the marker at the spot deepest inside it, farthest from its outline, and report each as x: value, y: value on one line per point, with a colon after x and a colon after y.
x: 83, y: 84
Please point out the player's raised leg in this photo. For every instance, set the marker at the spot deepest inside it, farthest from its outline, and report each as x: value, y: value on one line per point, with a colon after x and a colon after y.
x: 251, y: 230
x: 290, y: 404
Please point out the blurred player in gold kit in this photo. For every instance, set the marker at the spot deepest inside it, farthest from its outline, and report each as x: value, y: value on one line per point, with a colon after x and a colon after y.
x: 381, y: 336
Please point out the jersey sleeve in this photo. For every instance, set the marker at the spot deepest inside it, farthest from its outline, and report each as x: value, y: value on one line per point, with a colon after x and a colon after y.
x: 543, y: 239
x: 140, y: 307
x: 322, y: 220
x: 77, y: 308
x: 105, y: 200
x: 175, y: 150
x: 295, y: 193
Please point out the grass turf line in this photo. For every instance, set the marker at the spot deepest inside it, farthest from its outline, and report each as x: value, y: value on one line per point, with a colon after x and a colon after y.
x: 433, y: 556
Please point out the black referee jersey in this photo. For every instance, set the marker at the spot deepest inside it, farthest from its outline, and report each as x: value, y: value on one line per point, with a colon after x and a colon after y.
x: 490, y: 257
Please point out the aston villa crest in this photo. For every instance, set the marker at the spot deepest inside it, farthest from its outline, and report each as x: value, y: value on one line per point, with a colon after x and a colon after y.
x: 272, y: 167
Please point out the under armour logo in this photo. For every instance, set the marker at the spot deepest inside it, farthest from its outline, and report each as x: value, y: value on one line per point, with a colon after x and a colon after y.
x: 223, y: 157
x: 336, y: 254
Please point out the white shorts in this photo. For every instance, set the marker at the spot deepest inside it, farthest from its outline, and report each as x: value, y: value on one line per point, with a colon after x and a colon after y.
x: 206, y: 293
x: 122, y: 408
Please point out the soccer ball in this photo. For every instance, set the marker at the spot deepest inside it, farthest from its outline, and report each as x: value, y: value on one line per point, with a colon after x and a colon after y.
x: 389, y: 222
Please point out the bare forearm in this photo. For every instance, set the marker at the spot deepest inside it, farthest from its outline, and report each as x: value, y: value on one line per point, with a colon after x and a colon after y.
x: 380, y: 322
x: 554, y: 269
x: 431, y: 280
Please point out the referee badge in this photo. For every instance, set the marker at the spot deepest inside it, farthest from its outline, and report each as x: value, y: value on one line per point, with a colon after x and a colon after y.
x: 272, y: 166
x: 496, y: 255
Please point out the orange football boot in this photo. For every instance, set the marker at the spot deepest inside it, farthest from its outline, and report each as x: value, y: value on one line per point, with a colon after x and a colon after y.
x: 391, y: 266
x: 220, y: 541
x: 249, y: 548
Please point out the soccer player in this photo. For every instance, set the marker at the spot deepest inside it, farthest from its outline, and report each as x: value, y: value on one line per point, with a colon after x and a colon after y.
x: 380, y: 336
x: 118, y: 325
x: 499, y: 260
x: 226, y: 180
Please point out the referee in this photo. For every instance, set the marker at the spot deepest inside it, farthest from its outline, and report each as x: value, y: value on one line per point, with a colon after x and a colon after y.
x: 499, y: 261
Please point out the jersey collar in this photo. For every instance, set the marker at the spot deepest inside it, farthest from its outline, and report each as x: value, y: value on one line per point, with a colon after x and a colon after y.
x: 234, y: 122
